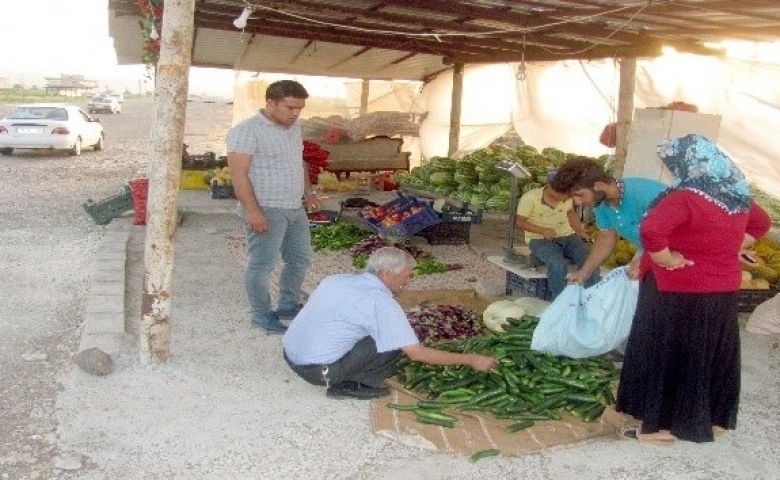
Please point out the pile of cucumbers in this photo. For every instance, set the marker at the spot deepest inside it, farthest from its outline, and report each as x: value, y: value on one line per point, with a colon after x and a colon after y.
x: 526, y: 386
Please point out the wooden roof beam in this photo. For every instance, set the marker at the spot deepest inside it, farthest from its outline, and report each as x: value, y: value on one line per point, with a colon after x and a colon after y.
x: 406, y: 45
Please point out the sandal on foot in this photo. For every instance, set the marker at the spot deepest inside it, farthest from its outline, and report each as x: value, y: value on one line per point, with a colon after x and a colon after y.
x: 633, y: 434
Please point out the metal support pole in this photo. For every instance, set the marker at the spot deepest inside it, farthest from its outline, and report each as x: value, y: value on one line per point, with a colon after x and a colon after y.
x: 517, y: 171
x: 509, y: 251
x: 171, y: 85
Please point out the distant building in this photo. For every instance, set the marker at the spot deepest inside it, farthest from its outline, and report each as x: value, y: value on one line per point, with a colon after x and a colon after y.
x: 4, y: 83
x: 71, y: 85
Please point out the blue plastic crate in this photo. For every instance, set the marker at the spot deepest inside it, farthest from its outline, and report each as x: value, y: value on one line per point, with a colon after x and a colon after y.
x: 408, y: 227
x: 220, y: 192
x: 536, y: 287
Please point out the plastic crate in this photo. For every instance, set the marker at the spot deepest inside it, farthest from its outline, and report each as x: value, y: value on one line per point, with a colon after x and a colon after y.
x: 529, y: 286
x: 410, y: 226
x: 333, y: 217
x: 749, y: 299
x: 219, y: 192
x: 447, y: 233
x: 200, y: 161
x: 461, y: 215
x: 193, y: 180
x: 103, y: 211
x: 139, y: 190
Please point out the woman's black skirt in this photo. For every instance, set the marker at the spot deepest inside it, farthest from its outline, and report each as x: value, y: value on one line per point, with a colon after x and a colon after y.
x: 681, y: 370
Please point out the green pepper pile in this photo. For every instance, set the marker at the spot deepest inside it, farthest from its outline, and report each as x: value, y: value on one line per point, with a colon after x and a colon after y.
x: 337, y: 236
x: 526, y: 386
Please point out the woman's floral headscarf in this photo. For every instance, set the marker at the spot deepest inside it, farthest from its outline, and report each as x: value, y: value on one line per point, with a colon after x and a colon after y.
x: 700, y: 166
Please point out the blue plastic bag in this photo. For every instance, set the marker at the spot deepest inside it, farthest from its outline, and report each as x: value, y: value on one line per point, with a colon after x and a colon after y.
x: 587, y: 322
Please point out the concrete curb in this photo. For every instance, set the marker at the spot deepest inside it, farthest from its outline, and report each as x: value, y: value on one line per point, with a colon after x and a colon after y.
x: 104, y: 323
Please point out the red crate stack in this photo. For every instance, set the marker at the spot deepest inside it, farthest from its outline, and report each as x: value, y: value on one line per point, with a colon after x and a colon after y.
x: 139, y: 191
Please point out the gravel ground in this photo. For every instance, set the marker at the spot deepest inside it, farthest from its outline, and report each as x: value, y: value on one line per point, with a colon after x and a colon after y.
x: 47, y: 245
x: 225, y: 405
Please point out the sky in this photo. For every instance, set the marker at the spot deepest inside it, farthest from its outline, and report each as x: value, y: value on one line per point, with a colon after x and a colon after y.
x: 42, y: 38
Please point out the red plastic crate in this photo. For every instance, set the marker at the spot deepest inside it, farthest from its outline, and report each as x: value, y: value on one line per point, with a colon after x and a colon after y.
x: 139, y: 191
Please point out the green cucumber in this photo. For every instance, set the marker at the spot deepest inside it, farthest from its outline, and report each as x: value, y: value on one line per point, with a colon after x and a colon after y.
x: 608, y: 397
x: 404, y: 408
x: 521, y: 425
x: 434, y: 414
x: 491, y: 452
x: 486, y: 395
x: 434, y: 421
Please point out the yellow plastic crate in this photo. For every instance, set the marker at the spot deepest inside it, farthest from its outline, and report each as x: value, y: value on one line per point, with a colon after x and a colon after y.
x: 193, y: 180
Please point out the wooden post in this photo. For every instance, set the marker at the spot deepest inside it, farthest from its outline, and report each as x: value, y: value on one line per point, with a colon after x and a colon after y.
x: 364, y: 90
x: 625, y: 113
x: 171, y: 85
x: 455, y: 109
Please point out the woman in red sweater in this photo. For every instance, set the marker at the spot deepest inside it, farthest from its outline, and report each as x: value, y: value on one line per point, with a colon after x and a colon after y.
x: 681, y: 372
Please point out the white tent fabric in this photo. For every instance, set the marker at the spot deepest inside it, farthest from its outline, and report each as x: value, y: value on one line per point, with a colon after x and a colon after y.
x: 486, y: 109
x: 566, y: 104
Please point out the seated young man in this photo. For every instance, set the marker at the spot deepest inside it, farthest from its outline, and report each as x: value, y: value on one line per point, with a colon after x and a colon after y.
x: 351, y: 331
x: 554, y: 234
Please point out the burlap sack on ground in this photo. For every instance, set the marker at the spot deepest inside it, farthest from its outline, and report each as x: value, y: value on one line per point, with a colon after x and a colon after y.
x: 475, y: 431
x: 765, y: 319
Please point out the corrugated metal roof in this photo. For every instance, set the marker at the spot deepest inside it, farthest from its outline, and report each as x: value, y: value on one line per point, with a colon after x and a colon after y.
x: 416, y: 39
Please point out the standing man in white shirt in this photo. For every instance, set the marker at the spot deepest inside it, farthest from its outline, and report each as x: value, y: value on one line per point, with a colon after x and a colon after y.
x: 271, y: 181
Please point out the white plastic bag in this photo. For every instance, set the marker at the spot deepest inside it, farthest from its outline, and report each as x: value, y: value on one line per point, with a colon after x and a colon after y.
x: 586, y: 322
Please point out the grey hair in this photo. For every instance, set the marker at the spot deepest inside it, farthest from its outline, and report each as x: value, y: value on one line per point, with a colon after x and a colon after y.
x: 389, y: 259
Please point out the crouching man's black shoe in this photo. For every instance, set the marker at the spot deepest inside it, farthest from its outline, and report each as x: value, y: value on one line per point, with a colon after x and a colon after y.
x: 356, y: 390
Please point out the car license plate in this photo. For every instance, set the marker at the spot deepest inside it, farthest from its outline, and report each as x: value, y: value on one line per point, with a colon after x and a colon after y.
x: 29, y: 130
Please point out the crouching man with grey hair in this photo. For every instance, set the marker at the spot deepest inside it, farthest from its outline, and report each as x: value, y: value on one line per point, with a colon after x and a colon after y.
x: 351, y: 331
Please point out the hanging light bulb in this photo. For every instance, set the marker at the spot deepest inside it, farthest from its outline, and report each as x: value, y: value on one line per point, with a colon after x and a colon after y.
x: 240, y: 22
x: 153, y: 34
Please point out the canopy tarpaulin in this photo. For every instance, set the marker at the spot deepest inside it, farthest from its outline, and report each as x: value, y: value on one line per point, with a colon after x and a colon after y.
x: 567, y: 104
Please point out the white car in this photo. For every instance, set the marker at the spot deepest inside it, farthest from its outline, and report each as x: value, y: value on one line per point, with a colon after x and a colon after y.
x: 104, y: 103
x: 50, y: 126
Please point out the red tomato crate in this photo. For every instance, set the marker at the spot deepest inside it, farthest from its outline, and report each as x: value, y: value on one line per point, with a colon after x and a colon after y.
x: 425, y: 217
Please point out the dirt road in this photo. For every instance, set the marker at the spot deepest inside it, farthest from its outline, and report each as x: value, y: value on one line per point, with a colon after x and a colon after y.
x: 47, y: 244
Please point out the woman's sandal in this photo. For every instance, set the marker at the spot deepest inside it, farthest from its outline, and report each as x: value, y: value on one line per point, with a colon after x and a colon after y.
x: 633, y: 434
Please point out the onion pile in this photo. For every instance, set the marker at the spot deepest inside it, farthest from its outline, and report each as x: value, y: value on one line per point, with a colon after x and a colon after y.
x: 369, y: 245
x: 434, y: 323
